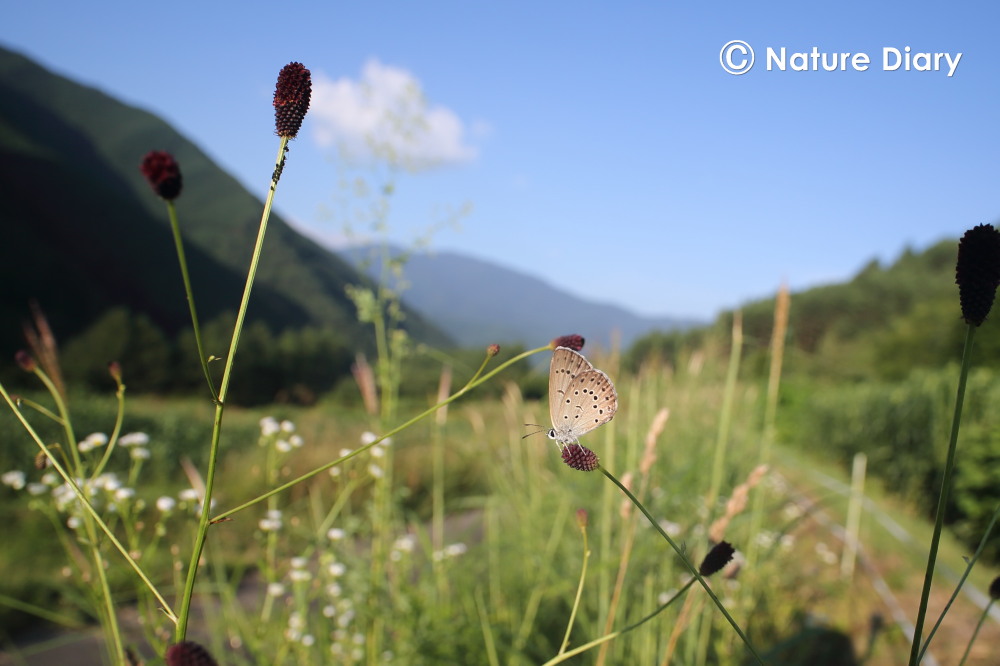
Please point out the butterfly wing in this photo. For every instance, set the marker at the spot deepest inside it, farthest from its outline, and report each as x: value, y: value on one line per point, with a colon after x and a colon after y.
x: 581, y: 397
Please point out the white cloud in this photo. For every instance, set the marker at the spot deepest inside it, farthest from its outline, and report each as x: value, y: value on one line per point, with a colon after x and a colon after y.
x: 385, y: 116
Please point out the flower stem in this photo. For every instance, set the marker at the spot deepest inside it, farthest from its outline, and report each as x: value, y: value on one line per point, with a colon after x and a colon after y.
x: 687, y: 563
x: 220, y: 404
x: 949, y: 467
x: 322, y: 468
x: 182, y: 260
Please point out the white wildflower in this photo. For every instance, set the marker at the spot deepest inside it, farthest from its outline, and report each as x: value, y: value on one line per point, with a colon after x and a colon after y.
x: 299, y: 575
x: 14, y: 478
x: 287, y: 426
x: 134, y: 439
x: 51, y: 479
x: 343, y: 453
x: 283, y: 446
x: 334, y: 590
x: 335, y: 534
x: 166, y: 504
x: 74, y: 522
x: 269, y: 426
x: 455, y: 549
x: 275, y: 589
x: 299, y: 562
x: 376, y: 471
x: 377, y: 452
x: 296, y: 441
x: 139, y: 453
x: 368, y: 437
x: 336, y: 569
x: 122, y: 494
x: 37, y: 488
x: 329, y: 610
x: 188, y: 495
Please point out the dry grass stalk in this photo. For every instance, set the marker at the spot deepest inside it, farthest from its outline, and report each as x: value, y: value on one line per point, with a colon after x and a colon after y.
x: 737, y: 502
x: 43, y: 345
x: 365, y: 378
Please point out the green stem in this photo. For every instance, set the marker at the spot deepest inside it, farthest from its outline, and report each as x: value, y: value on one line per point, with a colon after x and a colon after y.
x: 687, y: 563
x: 975, y: 634
x: 563, y: 656
x: 56, y: 465
x: 182, y: 260
x: 220, y: 403
x: 113, y: 440
x: 579, y: 591
x: 949, y: 467
x: 961, y: 582
x: 322, y: 468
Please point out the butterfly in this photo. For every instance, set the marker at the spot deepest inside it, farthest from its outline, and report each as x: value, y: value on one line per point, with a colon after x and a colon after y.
x: 581, y: 397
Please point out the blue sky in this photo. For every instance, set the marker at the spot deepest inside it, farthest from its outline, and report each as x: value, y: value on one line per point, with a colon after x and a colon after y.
x: 599, y: 146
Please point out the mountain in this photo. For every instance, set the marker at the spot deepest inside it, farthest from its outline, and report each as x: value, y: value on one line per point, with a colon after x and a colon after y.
x: 83, y: 233
x: 478, y: 302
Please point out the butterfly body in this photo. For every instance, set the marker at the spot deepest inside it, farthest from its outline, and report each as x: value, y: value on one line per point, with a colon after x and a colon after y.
x: 581, y: 397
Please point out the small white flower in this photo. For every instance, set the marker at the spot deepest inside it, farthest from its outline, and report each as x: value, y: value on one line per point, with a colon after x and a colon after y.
x: 269, y: 426
x: 122, y: 494
x: 188, y: 495
x: 14, y: 478
x: 377, y: 452
x: 299, y: 575
x: 269, y: 525
x: 671, y: 528
x: 37, y: 489
x: 358, y: 639
x: 299, y: 562
x: 375, y: 471
x: 386, y: 442
x: 307, y: 640
x: 283, y: 446
x: 287, y: 426
x: 329, y: 610
x: 295, y: 621
x: 455, y: 549
x: 368, y: 437
x: 336, y: 569
x: 134, y: 439
x: 51, y: 479
x: 166, y: 504
x: 275, y: 589
x: 405, y: 543
x: 345, y: 452
x: 92, y: 441
x: 139, y: 453
x: 335, y: 472
x: 334, y: 590
x: 74, y: 522
x: 664, y: 597
x: 296, y: 441
x: 335, y: 534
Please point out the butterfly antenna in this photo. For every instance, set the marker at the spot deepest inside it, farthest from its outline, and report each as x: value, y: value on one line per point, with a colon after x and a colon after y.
x: 533, y: 425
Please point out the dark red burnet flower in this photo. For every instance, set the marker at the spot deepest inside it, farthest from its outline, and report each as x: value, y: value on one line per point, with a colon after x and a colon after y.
x: 188, y: 653
x: 718, y: 557
x: 574, y: 342
x: 291, y: 99
x: 25, y: 360
x: 977, y: 272
x: 580, y: 457
x: 163, y: 174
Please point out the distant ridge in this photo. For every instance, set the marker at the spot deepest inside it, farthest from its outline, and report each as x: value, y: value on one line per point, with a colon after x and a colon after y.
x: 478, y: 302
x: 84, y: 233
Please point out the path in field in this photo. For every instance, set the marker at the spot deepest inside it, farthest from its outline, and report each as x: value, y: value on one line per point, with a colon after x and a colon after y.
x: 902, y: 603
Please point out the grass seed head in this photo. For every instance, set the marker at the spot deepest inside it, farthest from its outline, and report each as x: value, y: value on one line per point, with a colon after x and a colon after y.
x: 163, y: 174
x: 717, y: 558
x: 977, y: 272
x: 580, y: 457
x: 291, y: 99
x: 188, y: 653
x: 574, y: 342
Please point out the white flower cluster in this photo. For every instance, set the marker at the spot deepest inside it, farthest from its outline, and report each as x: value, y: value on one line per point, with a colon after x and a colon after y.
x: 279, y: 433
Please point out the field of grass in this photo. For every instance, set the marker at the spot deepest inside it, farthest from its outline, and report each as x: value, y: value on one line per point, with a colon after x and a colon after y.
x: 461, y: 541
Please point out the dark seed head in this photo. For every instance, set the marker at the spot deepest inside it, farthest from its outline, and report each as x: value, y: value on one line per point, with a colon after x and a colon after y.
x: 977, y: 272
x: 995, y: 588
x: 291, y: 99
x: 163, y: 174
x: 717, y: 558
x: 580, y: 457
x: 25, y: 361
x: 493, y: 349
x: 188, y: 653
x: 574, y: 342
